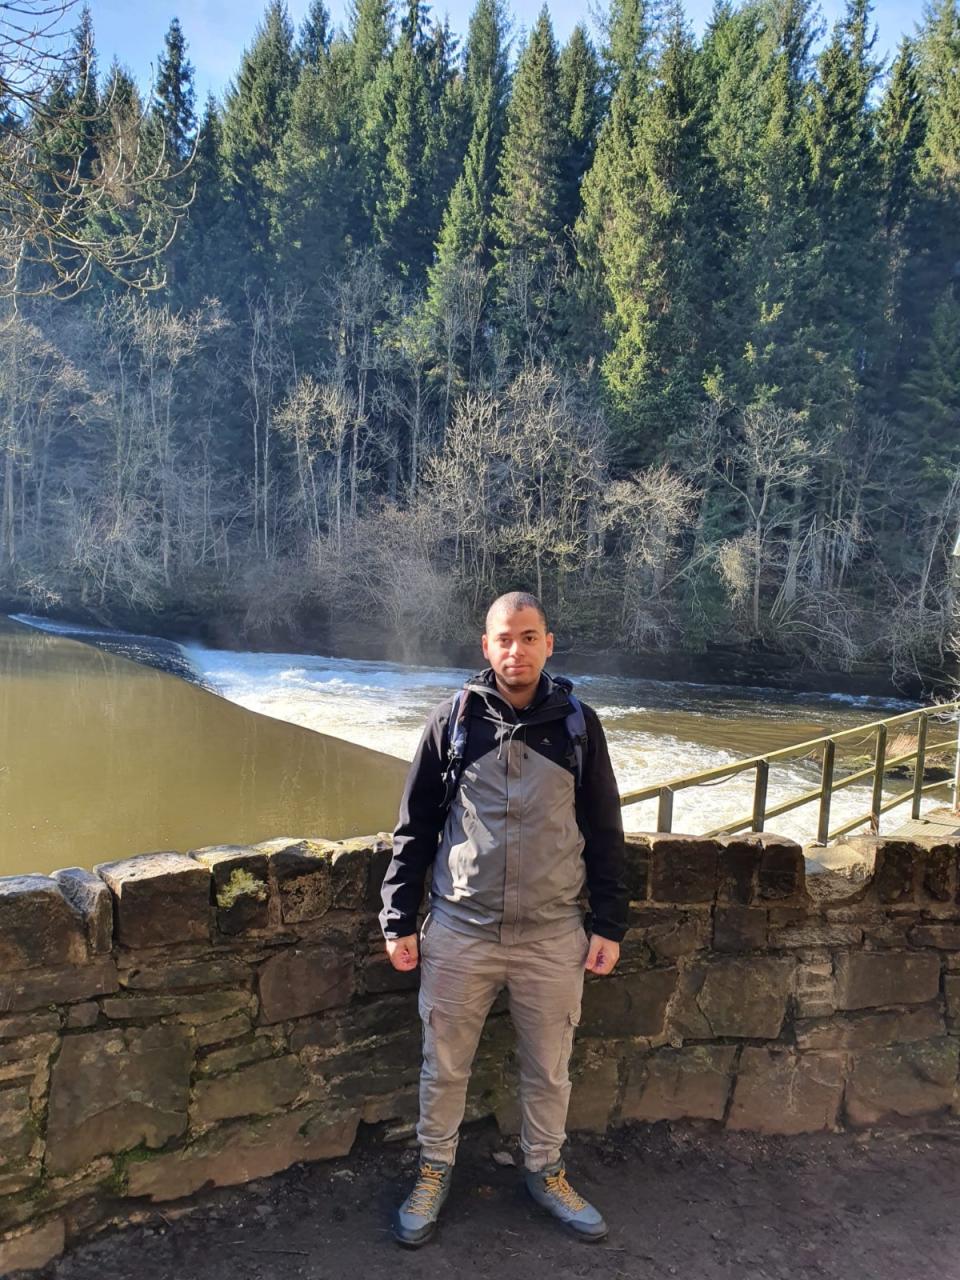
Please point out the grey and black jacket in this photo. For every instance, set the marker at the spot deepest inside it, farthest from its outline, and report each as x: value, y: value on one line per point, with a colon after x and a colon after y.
x: 513, y: 850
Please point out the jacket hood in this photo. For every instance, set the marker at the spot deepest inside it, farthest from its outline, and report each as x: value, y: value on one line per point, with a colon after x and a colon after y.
x: 552, y: 691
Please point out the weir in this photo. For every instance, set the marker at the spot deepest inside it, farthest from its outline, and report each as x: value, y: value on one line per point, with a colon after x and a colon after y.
x: 179, y: 1021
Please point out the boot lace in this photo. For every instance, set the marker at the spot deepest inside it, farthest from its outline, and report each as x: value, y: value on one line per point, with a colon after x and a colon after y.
x: 557, y: 1185
x: 426, y: 1191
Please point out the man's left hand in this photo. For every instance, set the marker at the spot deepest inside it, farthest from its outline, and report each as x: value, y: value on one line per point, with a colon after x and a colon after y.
x: 602, y: 956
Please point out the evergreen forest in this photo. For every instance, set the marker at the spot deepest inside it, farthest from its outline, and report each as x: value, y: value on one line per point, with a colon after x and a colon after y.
x: 664, y: 329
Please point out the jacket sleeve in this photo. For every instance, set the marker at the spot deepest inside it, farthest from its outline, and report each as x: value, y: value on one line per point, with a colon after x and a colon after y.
x: 417, y: 835
x: 602, y: 825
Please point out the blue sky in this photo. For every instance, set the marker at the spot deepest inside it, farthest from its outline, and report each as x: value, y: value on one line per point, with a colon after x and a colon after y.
x: 217, y: 31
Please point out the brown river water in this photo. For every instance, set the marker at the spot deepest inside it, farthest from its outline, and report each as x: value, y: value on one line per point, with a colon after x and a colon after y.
x: 101, y: 758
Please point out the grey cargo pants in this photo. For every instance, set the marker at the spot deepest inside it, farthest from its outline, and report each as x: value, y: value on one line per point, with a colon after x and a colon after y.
x: 461, y: 977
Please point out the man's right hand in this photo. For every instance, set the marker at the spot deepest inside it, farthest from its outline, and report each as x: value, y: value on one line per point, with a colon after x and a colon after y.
x: 403, y: 952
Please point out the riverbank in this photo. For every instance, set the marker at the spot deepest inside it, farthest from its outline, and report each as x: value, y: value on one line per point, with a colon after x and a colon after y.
x: 681, y: 1201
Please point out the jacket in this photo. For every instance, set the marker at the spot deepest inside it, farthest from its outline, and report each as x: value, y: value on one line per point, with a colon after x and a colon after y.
x: 513, y: 850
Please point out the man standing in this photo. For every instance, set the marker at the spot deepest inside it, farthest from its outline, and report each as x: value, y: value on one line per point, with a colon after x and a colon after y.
x: 511, y: 800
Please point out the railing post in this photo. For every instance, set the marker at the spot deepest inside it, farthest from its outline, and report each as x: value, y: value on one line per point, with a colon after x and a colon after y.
x: 956, y: 770
x: 760, y: 794
x: 918, y: 765
x: 826, y: 790
x: 879, y: 761
x: 665, y: 810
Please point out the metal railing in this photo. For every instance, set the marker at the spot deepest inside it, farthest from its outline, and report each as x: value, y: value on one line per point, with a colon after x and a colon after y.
x: 829, y: 783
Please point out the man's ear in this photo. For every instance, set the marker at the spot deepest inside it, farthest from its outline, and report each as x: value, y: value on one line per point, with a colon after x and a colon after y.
x: 549, y: 644
x: 483, y: 645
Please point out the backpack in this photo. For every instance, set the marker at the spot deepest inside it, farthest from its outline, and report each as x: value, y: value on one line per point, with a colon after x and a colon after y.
x: 575, y: 724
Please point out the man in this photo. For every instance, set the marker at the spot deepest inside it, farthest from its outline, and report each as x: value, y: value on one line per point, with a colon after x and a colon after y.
x: 511, y: 800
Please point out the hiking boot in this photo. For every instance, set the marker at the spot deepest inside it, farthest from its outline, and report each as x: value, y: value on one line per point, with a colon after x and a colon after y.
x: 416, y: 1219
x: 551, y: 1190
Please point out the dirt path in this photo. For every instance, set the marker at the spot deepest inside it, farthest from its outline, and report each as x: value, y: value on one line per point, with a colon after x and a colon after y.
x: 703, y: 1206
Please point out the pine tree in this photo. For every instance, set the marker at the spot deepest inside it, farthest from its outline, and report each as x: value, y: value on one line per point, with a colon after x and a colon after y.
x: 527, y: 203
x: 315, y: 187
x: 255, y: 117
x: 401, y: 218
x: 582, y: 108
x: 657, y: 258
x: 174, y: 95
x: 844, y: 266
x: 316, y: 35
x: 371, y: 81
x: 901, y: 128
x: 84, y: 95
x: 487, y: 67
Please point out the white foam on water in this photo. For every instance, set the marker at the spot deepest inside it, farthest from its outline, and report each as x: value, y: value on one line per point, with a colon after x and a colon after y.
x: 383, y: 705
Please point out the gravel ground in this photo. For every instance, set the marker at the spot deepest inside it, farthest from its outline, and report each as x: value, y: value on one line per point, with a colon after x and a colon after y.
x: 700, y: 1204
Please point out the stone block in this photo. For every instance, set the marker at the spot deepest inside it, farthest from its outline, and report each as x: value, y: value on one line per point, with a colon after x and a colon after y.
x: 873, y: 979
x: 253, y: 1090
x: 192, y: 1010
x: 111, y: 1090
x: 782, y: 871
x: 737, y: 870
x: 33, y: 989
x: 29, y: 1024
x: 816, y: 934
x: 241, y: 888
x: 593, y: 1095
x: 150, y: 974
x: 237, y: 1154
x: 738, y: 928
x: 379, y: 976
x: 675, y: 934
x: 895, y: 870
x: 870, y: 1030
x: 902, y: 1080
x: 636, y: 868
x: 237, y: 1055
x: 943, y: 937
x: 303, y: 871
x: 224, y: 1030
x: 676, y: 1084
x: 39, y: 928
x: 778, y: 1091
x: 632, y: 1005
x: 17, y: 1130
x: 682, y: 869
x: 32, y: 1047
x: 938, y: 872
x: 816, y: 995
x: 91, y: 899
x: 82, y: 1015
x: 746, y: 998
x: 34, y: 1248
x: 349, y: 870
x: 356, y: 1024
x: 159, y: 898
x: 299, y: 981
x: 951, y: 990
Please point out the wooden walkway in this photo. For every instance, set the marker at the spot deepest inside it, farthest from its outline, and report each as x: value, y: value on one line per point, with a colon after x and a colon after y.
x: 938, y: 822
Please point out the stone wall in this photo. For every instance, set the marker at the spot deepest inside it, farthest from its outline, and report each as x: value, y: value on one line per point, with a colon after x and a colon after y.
x: 173, y: 1022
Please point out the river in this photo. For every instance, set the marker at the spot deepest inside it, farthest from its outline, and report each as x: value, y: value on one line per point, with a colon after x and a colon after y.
x: 101, y: 757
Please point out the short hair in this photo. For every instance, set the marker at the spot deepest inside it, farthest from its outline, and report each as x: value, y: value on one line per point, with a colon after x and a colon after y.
x: 511, y: 602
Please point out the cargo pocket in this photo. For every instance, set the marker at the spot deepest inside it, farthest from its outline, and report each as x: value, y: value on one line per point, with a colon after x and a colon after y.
x: 426, y: 1030
x: 566, y: 1040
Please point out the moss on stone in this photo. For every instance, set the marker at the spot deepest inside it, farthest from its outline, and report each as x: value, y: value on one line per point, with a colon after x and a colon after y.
x: 240, y: 885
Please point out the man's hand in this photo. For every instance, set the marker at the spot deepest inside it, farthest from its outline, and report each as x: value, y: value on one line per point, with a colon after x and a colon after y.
x: 602, y: 956
x: 403, y: 952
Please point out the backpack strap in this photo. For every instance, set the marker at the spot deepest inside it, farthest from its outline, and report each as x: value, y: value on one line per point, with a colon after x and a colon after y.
x: 575, y: 724
x: 456, y: 745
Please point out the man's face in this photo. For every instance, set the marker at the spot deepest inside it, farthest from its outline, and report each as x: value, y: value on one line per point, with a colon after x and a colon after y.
x: 517, y: 646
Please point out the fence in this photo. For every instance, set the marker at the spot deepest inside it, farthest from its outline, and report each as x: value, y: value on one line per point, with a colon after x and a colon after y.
x: 829, y: 783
